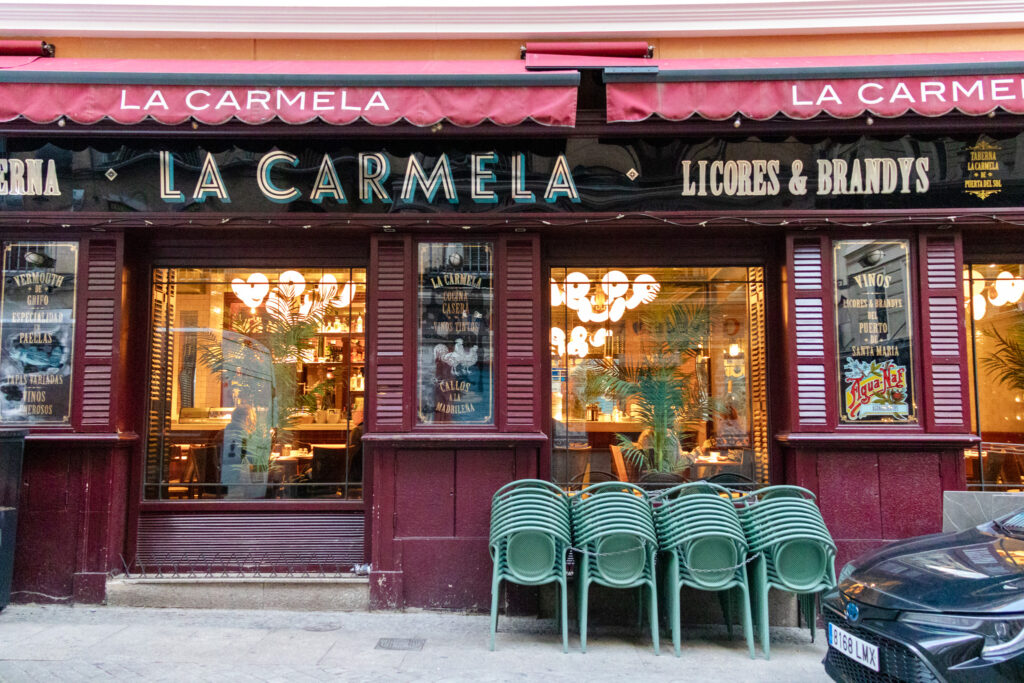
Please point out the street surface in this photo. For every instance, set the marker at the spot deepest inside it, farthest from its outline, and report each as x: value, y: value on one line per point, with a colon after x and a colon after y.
x: 89, y: 643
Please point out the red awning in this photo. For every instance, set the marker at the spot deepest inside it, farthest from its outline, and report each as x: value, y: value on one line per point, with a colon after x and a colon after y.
x: 214, y: 92
x: 802, y: 88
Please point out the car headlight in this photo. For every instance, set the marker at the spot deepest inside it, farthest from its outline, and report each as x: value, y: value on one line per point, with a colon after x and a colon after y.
x: 1002, y: 634
x: 845, y: 572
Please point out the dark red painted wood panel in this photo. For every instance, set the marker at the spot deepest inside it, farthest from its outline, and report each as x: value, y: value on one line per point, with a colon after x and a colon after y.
x: 478, y: 474
x: 382, y: 522
x: 848, y: 494
x: 910, y: 494
x: 447, y: 573
x: 431, y: 515
x: 424, y: 493
x: 44, y: 560
x: 869, y: 497
x: 71, y: 522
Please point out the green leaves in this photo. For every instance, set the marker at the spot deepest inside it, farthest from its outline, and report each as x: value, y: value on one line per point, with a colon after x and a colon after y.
x: 257, y: 359
x: 1006, y: 363
x: 662, y: 384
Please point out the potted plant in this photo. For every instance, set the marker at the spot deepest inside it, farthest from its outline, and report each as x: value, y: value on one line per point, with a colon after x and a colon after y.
x: 663, y: 389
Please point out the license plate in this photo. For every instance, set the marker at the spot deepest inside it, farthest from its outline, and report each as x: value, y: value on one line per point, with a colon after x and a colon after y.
x: 855, y: 648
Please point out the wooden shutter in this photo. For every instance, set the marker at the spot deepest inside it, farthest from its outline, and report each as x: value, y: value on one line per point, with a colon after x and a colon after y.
x: 98, y: 335
x: 757, y: 383
x: 391, y: 352
x: 943, y: 346
x: 811, y: 346
x: 520, y: 288
x: 158, y: 416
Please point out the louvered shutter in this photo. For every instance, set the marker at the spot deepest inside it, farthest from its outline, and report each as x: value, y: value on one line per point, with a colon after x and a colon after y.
x: 98, y: 335
x: 810, y: 344
x: 521, y: 294
x: 391, y: 351
x: 160, y: 377
x: 945, y: 377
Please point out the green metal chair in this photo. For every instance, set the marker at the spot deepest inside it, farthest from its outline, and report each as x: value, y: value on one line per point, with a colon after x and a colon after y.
x: 796, y: 552
x: 614, y: 533
x: 530, y: 538
x: 700, y: 532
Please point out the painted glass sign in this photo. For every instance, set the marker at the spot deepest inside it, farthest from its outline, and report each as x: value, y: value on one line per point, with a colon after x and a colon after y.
x: 37, y: 329
x: 456, y: 298
x: 518, y: 176
x: 874, y: 331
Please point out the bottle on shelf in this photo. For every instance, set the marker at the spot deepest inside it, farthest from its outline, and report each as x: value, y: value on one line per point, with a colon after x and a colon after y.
x: 359, y: 324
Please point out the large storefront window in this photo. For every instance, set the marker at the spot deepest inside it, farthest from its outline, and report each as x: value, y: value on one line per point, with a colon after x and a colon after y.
x: 994, y: 296
x: 257, y: 384
x: 658, y: 375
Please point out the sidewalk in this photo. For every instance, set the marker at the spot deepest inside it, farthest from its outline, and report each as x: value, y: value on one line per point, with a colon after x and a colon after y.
x: 88, y: 643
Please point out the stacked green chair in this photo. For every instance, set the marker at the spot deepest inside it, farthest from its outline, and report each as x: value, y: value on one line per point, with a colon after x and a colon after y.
x: 699, y: 530
x: 796, y: 551
x: 613, y: 528
x: 529, y: 542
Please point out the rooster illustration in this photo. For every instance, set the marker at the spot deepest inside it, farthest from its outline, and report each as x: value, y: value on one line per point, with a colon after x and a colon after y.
x: 459, y: 360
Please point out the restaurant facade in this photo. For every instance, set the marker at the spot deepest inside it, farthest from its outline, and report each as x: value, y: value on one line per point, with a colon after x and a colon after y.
x: 289, y: 315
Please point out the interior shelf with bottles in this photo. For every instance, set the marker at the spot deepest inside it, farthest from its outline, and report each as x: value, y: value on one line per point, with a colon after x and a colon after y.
x: 334, y: 373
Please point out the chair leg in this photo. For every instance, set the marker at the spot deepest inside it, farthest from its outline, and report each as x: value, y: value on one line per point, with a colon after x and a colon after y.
x: 495, y: 587
x: 762, y: 600
x: 748, y: 629
x: 673, y: 602
x: 655, y: 635
x: 565, y: 616
x: 582, y: 598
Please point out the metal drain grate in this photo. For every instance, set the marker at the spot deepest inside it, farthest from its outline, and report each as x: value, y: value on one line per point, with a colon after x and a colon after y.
x: 400, y: 644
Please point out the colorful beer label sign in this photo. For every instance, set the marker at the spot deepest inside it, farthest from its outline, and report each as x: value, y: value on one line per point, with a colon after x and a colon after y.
x: 875, y: 389
x: 37, y: 330
x: 456, y: 293
x: 873, y: 331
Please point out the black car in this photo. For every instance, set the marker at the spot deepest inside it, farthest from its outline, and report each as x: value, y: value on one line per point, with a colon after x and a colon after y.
x: 944, y: 607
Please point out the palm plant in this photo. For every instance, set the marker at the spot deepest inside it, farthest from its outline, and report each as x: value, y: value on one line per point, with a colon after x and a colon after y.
x: 256, y: 358
x: 665, y: 396
x: 1006, y: 362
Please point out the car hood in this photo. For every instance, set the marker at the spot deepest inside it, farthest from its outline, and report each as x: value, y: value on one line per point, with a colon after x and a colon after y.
x: 976, y: 570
